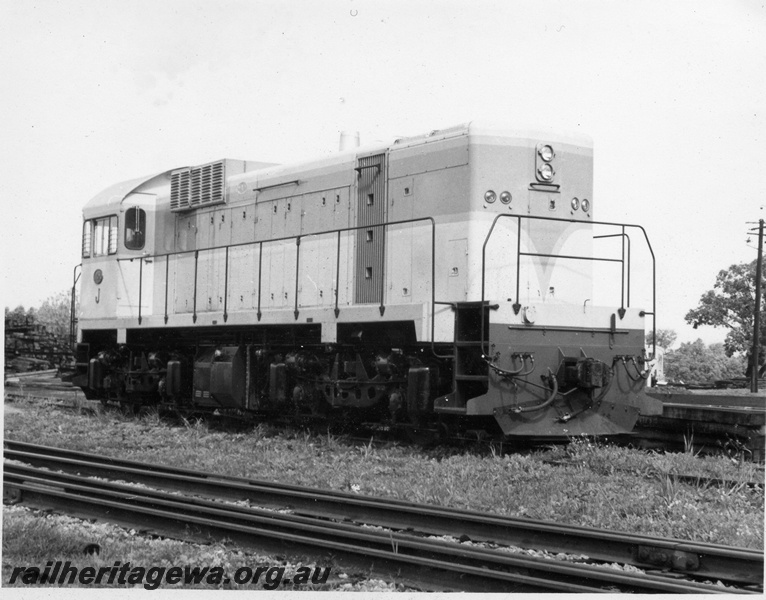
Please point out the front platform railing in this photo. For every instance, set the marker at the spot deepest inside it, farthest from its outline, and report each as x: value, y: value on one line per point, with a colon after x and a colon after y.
x: 623, y: 260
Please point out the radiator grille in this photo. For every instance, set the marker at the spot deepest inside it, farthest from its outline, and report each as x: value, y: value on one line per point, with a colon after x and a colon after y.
x: 197, y: 186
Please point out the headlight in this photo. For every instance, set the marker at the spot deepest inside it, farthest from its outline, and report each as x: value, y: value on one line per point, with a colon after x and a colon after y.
x: 546, y: 172
x: 505, y: 197
x: 546, y: 153
x: 575, y: 204
x: 489, y: 196
x: 585, y: 205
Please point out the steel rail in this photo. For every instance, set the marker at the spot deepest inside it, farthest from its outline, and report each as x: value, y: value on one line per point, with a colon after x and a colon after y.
x: 695, y: 559
x: 385, y: 552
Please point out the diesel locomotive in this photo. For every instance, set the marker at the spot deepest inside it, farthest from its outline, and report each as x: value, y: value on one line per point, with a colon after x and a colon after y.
x: 446, y: 282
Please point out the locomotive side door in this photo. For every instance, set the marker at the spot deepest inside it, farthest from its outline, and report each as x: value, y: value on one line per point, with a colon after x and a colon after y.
x: 370, y: 241
x: 136, y: 239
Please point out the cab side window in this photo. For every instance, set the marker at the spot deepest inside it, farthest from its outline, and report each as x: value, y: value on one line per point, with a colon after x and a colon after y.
x: 135, y: 228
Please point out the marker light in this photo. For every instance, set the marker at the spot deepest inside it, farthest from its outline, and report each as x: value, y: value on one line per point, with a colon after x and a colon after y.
x: 490, y: 196
x: 546, y: 172
x: 585, y: 205
x: 546, y: 153
x: 575, y: 204
x: 505, y: 197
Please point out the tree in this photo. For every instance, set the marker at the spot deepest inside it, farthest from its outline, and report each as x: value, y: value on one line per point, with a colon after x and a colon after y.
x: 693, y: 361
x: 665, y: 338
x: 730, y: 304
x: 55, y: 313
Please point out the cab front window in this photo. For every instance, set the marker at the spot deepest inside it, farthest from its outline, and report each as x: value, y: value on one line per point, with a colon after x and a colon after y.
x: 99, y: 237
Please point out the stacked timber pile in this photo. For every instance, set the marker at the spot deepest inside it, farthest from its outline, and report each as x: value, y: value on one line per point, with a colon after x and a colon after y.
x: 47, y: 380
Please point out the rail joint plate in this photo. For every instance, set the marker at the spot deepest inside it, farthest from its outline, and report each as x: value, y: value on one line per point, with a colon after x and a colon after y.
x: 664, y: 557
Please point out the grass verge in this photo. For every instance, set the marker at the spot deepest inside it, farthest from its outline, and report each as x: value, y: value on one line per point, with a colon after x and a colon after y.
x: 598, y: 486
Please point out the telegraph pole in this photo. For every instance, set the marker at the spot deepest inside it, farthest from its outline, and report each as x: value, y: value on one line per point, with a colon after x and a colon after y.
x: 757, y: 316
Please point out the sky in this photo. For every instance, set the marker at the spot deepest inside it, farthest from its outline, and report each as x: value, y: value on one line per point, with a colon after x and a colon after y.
x: 673, y: 93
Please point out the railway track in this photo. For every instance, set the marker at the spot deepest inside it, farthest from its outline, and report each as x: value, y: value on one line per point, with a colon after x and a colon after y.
x: 182, y: 503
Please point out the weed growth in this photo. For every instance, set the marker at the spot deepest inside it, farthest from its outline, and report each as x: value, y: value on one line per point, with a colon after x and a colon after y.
x: 598, y: 485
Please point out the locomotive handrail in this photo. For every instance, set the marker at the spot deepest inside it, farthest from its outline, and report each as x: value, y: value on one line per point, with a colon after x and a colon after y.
x: 72, y: 307
x: 519, y: 254
x: 297, y: 238
x: 624, y: 237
